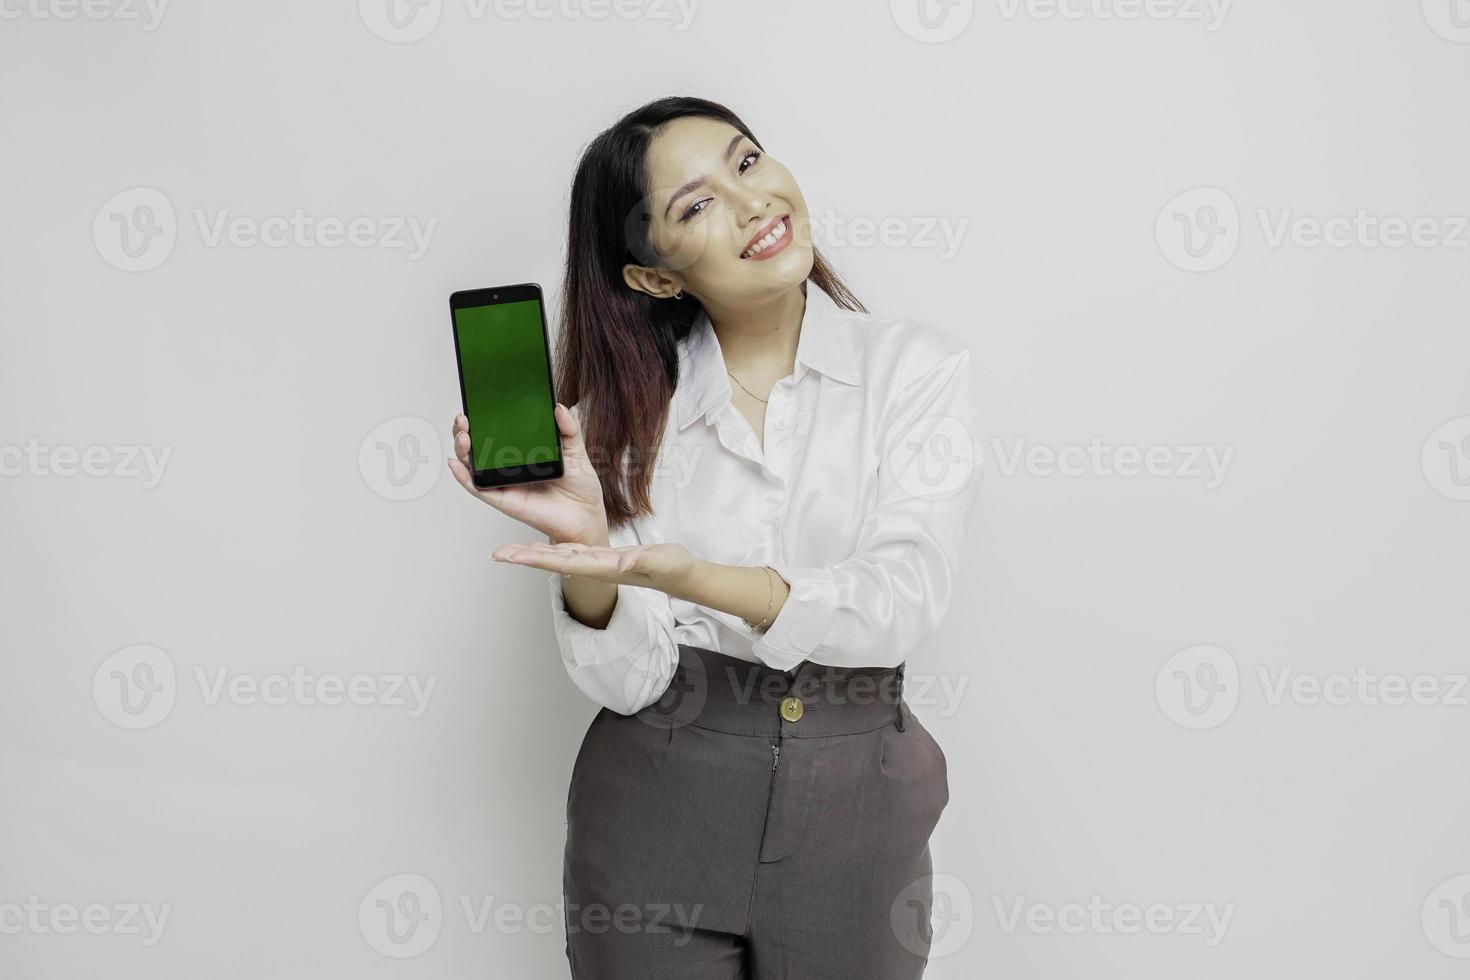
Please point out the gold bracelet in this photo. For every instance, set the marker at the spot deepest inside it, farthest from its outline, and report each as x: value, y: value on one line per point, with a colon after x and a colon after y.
x: 770, y: 602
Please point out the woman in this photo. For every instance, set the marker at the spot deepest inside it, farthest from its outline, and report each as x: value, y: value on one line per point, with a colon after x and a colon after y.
x: 765, y: 496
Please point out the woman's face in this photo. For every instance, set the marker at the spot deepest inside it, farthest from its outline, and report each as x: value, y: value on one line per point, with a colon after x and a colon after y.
x: 714, y: 194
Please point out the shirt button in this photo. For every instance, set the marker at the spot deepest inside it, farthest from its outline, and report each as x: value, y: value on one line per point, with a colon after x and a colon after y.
x: 792, y: 709
x: 781, y: 424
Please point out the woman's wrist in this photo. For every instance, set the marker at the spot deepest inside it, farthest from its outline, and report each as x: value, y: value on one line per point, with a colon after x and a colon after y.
x: 692, y: 584
x: 594, y: 535
x: 748, y: 591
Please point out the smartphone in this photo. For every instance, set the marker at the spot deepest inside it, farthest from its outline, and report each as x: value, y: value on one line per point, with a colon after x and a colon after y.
x: 504, y: 355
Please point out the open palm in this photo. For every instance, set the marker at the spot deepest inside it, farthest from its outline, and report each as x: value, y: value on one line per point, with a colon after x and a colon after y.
x: 654, y: 566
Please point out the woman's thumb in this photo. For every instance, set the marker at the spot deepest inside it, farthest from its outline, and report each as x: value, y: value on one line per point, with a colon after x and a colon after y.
x: 567, y: 424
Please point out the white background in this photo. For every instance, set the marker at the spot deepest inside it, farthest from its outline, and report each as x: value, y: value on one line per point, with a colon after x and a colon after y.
x: 1336, y: 540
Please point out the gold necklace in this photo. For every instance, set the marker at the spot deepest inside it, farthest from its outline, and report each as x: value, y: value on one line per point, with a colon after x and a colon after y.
x: 747, y: 390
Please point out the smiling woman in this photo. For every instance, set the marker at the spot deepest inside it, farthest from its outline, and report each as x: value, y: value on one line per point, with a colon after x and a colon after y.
x: 766, y: 494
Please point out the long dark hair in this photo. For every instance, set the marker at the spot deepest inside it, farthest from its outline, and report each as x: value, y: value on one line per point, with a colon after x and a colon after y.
x: 617, y: 353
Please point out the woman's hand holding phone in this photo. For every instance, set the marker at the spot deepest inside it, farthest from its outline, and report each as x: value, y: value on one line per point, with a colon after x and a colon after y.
x: 566, y: 509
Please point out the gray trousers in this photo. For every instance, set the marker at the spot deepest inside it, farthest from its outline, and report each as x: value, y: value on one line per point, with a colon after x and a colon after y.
x: 754, y: 824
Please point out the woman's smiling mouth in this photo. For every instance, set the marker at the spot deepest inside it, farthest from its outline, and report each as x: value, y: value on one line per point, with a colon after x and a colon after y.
x: 769, y: 240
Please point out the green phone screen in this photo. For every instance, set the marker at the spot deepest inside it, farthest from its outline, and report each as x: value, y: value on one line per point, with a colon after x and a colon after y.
x: 507, y: 385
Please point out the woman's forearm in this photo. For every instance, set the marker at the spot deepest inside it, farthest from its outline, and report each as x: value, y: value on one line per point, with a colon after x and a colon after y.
x: 590, y: 601
x: 747, y: 591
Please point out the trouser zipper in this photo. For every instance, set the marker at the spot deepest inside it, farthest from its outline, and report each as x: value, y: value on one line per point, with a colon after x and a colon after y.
x: 770, y: 795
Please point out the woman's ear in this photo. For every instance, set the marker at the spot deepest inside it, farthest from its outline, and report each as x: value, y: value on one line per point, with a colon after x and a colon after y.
x: 650, y: 281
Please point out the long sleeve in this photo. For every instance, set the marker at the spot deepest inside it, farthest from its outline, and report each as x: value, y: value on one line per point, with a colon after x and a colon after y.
x: 877, y: 606
x: 627, y: 665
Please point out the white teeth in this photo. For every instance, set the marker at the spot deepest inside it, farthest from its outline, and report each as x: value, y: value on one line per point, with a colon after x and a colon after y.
x: 767, y: 241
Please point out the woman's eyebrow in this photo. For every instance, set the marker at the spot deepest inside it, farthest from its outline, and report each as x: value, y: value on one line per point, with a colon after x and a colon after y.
x: 699, y: 181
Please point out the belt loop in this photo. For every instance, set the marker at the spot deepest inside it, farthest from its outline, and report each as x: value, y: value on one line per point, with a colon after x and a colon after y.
x: 900, y: 697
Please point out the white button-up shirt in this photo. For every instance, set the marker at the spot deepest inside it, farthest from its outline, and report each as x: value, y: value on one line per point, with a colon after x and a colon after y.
x: 861, y: 500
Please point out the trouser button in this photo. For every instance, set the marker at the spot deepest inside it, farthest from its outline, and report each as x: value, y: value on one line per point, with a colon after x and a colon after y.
x: 792, y: 709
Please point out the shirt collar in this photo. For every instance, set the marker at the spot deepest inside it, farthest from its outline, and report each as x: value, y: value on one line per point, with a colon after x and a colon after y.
x: 824, y: 346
